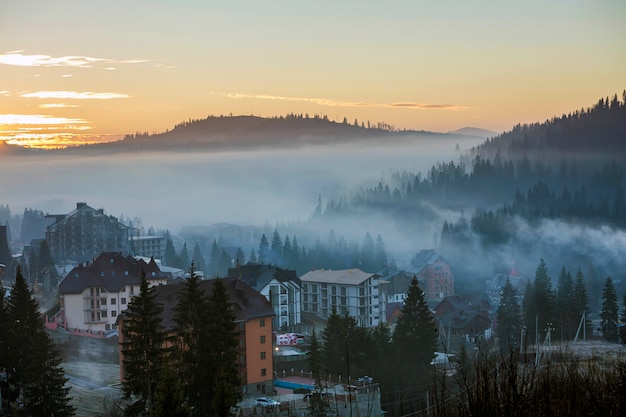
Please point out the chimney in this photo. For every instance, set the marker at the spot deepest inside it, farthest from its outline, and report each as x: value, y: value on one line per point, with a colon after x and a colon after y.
x: 80, y: 205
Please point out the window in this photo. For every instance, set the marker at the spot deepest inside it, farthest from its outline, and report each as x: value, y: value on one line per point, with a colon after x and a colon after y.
x: 263, y: 339
x: 262, y: 322
x: 112, y: 301
x: 104, y: 314
x: 103, y: 301
x: 262, y: 355
x: 113, y: 313
x: 263, y: 372
x: 123, y: 300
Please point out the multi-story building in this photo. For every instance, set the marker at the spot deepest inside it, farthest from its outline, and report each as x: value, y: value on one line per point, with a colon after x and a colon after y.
x: 350, y: 291
x: 281, y: 287
x: 434, y: 275
x: 494, y: 288
x: 253, y: 320
x: 148, y: 246
x: 85, y: 233
x: 93, y: 295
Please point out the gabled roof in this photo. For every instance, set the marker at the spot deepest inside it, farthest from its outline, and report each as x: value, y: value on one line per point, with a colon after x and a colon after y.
x: 424, y: 258
x: 248, y: 304
x: 344, y: 276
x: 258, y: 276
x: 466, y: 303
x: 80, y: 207
x: 111, y: 271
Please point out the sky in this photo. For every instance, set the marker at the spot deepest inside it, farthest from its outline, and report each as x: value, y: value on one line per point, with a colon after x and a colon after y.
x: 83, y: 71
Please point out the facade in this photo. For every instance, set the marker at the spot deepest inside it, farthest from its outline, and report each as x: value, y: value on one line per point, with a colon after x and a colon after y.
x: 253, y: 319
x: 148, y: 246
x: 350, y: 291
x: 92, y: 296
x: 85, y: 233
x: 281, y: 287
x: 494, y: 288
x: 465, y: 316
x: 434, y: 275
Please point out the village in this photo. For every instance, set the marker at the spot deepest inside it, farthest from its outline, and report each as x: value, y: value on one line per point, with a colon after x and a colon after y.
x: 276, y: 310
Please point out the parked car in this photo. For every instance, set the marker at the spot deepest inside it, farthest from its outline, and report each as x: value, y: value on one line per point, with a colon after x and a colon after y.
x: 266, y: 402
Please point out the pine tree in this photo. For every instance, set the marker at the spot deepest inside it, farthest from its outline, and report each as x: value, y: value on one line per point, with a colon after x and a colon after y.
x: 276, y: 249
x: 540, y: 301
x: 183, y: 258
x: 414, y: 341
x: 191, y: 341
x: 580, y: 303
x: 223, y: 352
x: 264, y: 250
x: 609, y: 311
x: 214, y: 259
x: 380, y: 255
x: 567, y: 321
x: 509, y: 319
x: 623, y: 317
x: 142, y: 341
x: 169, y: 256
x: 33, y: 358
x: 368, y: 254
x: 317, y: 404
x: 252, y: 258
x: 169, y: 400
x: 198, y: 259
x: 334, y: 341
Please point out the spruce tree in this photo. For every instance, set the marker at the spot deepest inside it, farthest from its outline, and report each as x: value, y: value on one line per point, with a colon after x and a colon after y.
x: 191, y: 341
x: 580, y: 303
x: 509, y: 319
x: 183, y: 258
x: 264, y: 250
x: 414, y: 344
x: 317, y: 405
x: 567, y: 322
x: 34, y: 360
x: 623, y: 317
x: 142, y: 345
x: 169, y: 256
x: 334, y: 341
x: 214, y: 259
x: 609, y: 311
x: 198, y: 259
x: 276, y: 249
x: 223, y: 352
x: 169, y: 400
x: 540, y: 301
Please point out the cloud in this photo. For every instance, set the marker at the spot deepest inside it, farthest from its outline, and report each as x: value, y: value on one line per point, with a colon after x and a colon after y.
x: 338, y: 103
x: 36, y: 119
x: 56, y: 106
x: 17, y: 58
x: 74, y: 95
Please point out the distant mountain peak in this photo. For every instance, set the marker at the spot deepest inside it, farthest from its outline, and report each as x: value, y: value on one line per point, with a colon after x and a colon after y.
x: 475, y: 131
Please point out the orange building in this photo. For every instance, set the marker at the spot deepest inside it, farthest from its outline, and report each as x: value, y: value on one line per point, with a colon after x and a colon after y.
x: 254, y: 320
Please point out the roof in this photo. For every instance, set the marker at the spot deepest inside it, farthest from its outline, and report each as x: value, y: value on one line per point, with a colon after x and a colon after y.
x: 60, y: 219
x: 466, y: 303
x: 248, y: 303
x: 497, y: 283
x: 344, y: 276
x: 424, y: 258
x: 111, y: 271
x: 258, y: 276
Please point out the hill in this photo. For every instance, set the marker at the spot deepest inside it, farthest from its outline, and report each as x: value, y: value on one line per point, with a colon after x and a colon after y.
x: 221, y: 133
x: 475, y: 131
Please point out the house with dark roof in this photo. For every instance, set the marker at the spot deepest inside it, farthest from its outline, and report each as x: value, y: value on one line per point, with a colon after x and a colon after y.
x: 464, y: 316
x: 84, y: 233
x: 434, y: 275
x: 253, y: 320
x: 93, y: 295
x: 281, y: 287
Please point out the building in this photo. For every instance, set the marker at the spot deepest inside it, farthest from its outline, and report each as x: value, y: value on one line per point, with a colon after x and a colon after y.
x: 494, y: 288
x: 253, y: 319
x: 84, y: 233
x: 464, y: 317
x: 281, y: 287
x: 434, y: 275
x: 93, y: 295
x: 148, y: 246
x: 350, y: 291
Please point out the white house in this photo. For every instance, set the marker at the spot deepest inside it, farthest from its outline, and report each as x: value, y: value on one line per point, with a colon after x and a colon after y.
x: 93, y: 295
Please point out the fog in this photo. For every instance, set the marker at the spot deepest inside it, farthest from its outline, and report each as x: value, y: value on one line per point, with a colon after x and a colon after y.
x: 171, y: 190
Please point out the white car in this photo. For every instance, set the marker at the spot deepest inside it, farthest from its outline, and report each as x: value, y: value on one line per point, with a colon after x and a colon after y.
x: 266, y: 402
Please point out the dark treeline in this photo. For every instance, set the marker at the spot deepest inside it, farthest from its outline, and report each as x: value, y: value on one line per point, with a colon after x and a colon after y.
x: 285, y: 252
